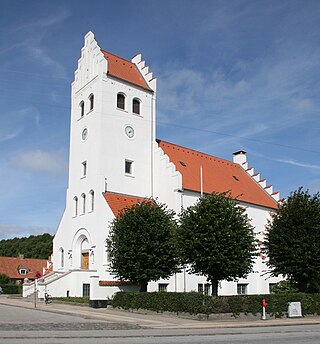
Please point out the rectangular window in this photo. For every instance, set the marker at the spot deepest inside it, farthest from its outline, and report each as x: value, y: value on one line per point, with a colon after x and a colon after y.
x: 200, y: 288
x: 128, y: 167
x: 207, y: 289
x: 85, y: 289
x: 242, y: 289
x: 162, y: 286
x: 23, y: 271
x: 271, y: 286
x: 84, y: 169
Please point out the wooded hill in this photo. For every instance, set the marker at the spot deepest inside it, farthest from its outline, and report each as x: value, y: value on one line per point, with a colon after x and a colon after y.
x: 34, y: 246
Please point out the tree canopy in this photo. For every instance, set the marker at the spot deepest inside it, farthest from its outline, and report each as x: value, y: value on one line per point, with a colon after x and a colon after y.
x: 293, y: 240
x: 141, y: 243
x: 34, y: 246
x: 216, y: 239
x: 4, y: 279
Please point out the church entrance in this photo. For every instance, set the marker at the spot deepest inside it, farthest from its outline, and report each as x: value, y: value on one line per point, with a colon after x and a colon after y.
x: 85, y: 254
x: 85, y: 260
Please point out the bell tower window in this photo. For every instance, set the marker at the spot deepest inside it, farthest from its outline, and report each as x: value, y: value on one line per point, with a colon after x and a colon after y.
x: 121, y: 99
x: 136, y: 106
x: 91, y: 100
x: 81, y: 105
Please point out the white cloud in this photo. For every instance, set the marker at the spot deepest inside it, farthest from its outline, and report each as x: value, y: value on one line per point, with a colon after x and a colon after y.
x: 10, y: 231
x: 32, y: 38
x: 297, y: 163
x: 313, y: 186
x: 38, y: 53
x: 9, y: 136
x: 41, y: 161
x: 43, y: 23
x: 14, y: 122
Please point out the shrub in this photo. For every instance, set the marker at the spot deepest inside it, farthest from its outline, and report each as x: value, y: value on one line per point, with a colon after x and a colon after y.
x: 196, y: 303
x: 84, y: 300
x: 12, y: 288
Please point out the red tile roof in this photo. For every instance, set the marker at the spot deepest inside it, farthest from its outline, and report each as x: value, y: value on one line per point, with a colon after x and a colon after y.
x: 218, y: 175
x: 124, y: 70
x: 118, y: 202
x: 114, y: 283
x: 10, y: 267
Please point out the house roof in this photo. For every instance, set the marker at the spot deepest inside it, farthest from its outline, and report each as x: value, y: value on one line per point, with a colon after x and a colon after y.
x: 117, y: 202
x: 218, y: 175
x: 124, y: 70
x: 10, y: 266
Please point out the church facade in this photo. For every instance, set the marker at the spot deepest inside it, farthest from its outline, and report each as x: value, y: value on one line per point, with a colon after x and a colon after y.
x: 116, y: 160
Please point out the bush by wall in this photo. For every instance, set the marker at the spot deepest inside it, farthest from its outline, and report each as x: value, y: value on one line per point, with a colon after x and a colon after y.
x: 11, y: 288
x: 82, y: 300
x: 196, y: 303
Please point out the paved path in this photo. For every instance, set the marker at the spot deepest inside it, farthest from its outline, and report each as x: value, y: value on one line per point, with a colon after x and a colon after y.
x: 152, y: 320
x: 71, y: 324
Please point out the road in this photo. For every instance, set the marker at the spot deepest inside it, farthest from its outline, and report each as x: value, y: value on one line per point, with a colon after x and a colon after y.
x: 22, y: 325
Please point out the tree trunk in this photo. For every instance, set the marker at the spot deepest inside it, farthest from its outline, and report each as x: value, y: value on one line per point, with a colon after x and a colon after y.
x: 302, y: 286
x: 143, y: 286
x: 215, y: 285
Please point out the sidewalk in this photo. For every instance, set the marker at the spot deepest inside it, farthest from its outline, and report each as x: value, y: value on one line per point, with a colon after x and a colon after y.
x: 154, y: 320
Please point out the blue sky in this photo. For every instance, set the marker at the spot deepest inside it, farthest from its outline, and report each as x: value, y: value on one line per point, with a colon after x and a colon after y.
x: 231, y: 75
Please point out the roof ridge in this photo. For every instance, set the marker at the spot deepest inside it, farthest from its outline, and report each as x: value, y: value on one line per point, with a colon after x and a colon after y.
x: 122, y: 194
x: 199, y: 152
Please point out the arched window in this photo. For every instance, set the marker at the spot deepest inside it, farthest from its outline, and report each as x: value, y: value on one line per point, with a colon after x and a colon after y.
x: 83, y: 203
x: 75, y: 206
x: 121, y: 99
x: 81, y: 105
x: 91, y: 100
x: 61, y: 251
x: 91, y: 200
x: 136, y: 106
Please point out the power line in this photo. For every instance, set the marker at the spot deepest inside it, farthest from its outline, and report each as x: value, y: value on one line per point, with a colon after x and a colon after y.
x: 239, y: 137
x: 192, y: 128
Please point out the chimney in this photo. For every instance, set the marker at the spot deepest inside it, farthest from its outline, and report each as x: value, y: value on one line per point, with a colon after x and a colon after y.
x: 240, y: 157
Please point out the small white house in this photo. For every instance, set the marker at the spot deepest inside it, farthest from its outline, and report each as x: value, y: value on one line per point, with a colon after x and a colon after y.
x: 116, y: 160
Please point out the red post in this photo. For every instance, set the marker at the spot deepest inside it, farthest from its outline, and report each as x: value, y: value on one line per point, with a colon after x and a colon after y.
x: 264, y: 305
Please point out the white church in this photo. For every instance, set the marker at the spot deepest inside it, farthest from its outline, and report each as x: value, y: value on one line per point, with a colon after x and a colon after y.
x: 116, y: 161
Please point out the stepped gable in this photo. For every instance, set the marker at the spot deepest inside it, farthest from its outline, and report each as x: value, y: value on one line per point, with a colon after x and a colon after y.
x: 117, y: 202
x: 10, y: 266
x: 124, y: 70
x: 218, y: 175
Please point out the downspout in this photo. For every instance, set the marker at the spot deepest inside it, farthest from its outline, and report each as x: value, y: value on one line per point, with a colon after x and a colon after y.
x: 153, y: 134
x: 201, y: 182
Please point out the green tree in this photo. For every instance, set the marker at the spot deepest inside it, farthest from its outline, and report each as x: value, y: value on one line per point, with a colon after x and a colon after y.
x: 293, y: 240
x: 285, y: 287
x: 4, y: 279
x: 141, y: 243
x: 39, y: 246
x: 216, y: 239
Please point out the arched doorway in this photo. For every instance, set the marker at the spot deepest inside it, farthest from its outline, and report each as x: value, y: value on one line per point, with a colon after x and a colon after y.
x: 81, y: 247
x: 85, y: 254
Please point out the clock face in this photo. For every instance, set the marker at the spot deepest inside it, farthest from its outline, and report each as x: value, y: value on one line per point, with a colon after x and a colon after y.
x: 84, y: 133
x: 129, y: 131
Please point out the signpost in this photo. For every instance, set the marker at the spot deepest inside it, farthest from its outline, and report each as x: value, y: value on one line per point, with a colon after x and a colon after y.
x: 264, y: 305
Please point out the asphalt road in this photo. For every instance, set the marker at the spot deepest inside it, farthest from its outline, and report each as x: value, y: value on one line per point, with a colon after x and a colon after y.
x: 21, y: 325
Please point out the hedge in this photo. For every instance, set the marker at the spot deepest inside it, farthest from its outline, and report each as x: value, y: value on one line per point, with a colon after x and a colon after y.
x: 197, y: 303
x: 83, y: 300
x: 11, y: 288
